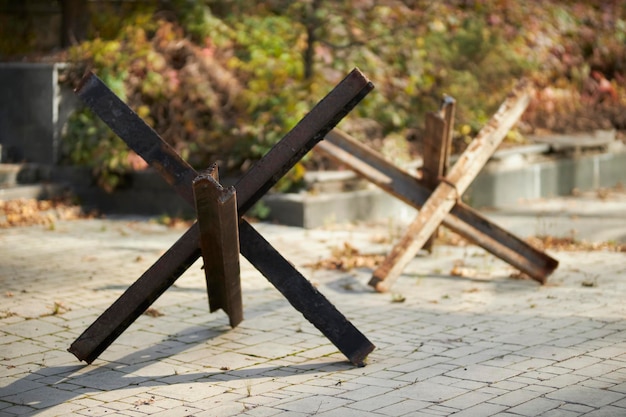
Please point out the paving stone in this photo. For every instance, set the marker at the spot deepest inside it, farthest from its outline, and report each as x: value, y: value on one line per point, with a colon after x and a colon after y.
x: 483, y: 373
x: 535, y: 407
x: 375, y: 403
x: 561, y: 381
x: 595, y: 370
x: 439, y: 410
x: 65, y: 409
x: 469, y: 385
x: 39, y: 398
x: 579, y: 408
x: 19, y: 410
x: 516, y: 397
x: 364, y: 392
x: 379, y: 382
x: 596, y: 383
x: 467, y: 400
x: 530, y: 364
x: 484, y: 409
x: 555, y: 370
x: 404, y: 407
x: 608, y: 352
x: 314, y: 404
x: 337, y: 412
x: 559, y: 412
x: 428, y: 391
x: 552, y: 353
x: 469, y: 353
x: 592, y: 397
x: 175, y: 411
x: 608, y: 411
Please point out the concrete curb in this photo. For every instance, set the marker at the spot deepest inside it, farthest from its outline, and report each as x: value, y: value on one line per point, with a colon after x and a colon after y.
x: 506, y: 180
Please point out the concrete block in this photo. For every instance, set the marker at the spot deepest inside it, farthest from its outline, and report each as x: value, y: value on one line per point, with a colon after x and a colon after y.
x: 33, y: 110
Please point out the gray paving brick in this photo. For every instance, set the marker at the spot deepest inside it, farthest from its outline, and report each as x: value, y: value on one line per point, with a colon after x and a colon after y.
x: 314, y: 404
x: 579, y: 408
x: 375, y: 403
x: 469, y: 385
x: 596, y: 383
x: 341, y: 412
x: 595, y: 370
x: 467, y: 400
x: 259, y: 411
x: 484, y: 409
x: 516, y: 397
x: 608, y: 411
x: 551, y: 352
x: 608, y: 352
x: 559, y: 412
x: 556, y: 370
x: 535, y: 407
x: 404, y: 408
x: 364, y: 392
x: 483, y: 373
x: 476, y: 353
x: 531, y: 364
x: 66, y: 409
x: 428, y: 391
x: 560, y: 381
x: 592, y: 397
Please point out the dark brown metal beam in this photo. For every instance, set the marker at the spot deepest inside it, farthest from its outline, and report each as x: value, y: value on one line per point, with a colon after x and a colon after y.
x: 435, y: 157
x: 216, y: 209
x: 266, y: 172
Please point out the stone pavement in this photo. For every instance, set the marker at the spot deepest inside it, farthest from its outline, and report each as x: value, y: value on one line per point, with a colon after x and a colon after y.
x: 474, y: 343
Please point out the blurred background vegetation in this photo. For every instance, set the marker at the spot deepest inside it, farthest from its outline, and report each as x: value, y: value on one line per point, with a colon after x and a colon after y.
x: 223, y: 80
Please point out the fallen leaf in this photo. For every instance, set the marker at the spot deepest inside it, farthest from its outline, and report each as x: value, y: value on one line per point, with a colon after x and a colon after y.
x: 153, y: 312
x: 348, y: 257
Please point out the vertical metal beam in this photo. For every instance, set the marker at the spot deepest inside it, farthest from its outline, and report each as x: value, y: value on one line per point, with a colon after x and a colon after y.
x: 441, y: 152
x: 447, y: 110
x: 216, y: 208
x: 435, y: 156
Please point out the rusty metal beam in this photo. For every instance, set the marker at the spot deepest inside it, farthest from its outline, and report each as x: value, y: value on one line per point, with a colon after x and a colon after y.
x: 447, y: 110
x: 435, y: 157
x: 216, y: 208
x: 441, y: 151
x: 303, y: 296
x: 462, y: 218
x: 451, y: 188
x: 266, y: 172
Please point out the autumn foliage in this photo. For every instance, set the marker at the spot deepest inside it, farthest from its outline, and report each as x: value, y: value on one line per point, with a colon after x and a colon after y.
x: 222, y: 81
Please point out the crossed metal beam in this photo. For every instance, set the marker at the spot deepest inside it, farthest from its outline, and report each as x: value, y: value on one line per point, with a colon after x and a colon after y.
x: 251, y: 187
x: 441, y: 204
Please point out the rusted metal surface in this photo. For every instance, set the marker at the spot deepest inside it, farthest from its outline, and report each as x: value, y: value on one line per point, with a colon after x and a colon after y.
x: 462, y: 219
x: 435, y: 155
x: 434, y: 150
x: 304, y: 297
x: 138, y: 297
x: 438, y: 137
x: 448, y: 110
x: 302, y: 138
x: 140, y: 137
x: 147, y: 143
x: 216, y: 208
x: 450, y: 189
